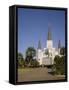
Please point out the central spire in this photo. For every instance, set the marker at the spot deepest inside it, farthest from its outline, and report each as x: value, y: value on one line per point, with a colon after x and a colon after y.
x: 49, y: 33
x: 49, y: 38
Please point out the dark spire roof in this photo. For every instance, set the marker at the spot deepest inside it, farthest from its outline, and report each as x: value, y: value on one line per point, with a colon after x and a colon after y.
x: 59, y: 44
x: 39, y: 45
x: 49, y: 33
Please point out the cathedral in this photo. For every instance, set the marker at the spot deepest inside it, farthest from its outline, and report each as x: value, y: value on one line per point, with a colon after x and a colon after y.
x: 46, y: 55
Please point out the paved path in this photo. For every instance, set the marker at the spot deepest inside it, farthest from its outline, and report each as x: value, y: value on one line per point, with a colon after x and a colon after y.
x: 36, y: 74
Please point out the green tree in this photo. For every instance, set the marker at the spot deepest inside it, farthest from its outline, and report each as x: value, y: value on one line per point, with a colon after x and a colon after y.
x: 59, y: 65
x: 20, y: 60
x: 34, y: 63
x: 30, y: 54
x: 62, y: 65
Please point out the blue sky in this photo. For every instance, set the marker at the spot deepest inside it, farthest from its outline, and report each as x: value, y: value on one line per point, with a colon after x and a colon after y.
x: 33, y: 26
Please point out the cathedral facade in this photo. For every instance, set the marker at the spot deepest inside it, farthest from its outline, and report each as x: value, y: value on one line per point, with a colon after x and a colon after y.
x: 46, y: 55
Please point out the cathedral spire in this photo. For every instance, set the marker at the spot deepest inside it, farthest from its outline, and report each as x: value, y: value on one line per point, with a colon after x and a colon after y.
x: 49, y: 33
x: 39, y: 45
x: 59, y: 44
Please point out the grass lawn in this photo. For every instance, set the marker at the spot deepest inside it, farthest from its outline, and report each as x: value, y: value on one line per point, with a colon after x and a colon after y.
x: 25, y: 69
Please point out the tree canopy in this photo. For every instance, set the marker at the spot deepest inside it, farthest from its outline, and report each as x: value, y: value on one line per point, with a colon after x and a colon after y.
x: 59, y: 65
x: 29, y: 59
x: 20, y: 60
x: 31, y: 52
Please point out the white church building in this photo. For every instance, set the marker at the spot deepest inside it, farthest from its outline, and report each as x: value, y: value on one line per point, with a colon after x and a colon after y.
x: 46, y: 55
